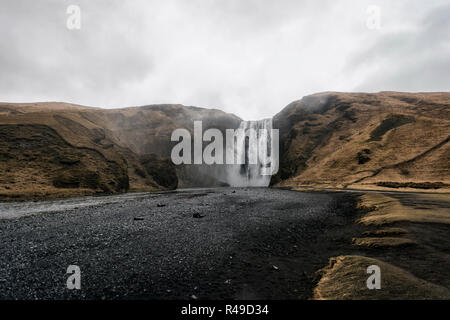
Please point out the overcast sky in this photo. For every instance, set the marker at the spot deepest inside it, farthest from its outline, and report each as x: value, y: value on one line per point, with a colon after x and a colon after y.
x: 249, y: 57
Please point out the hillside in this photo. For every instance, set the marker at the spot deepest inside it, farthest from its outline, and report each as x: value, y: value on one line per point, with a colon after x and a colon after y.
x: 58, y: 149
x: 383, y: 141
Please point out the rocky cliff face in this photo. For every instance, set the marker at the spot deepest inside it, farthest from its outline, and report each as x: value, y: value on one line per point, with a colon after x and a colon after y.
x: 387, y: 140
x: 58, y: 149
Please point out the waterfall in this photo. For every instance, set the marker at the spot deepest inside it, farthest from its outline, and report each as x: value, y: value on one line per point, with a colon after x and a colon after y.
x: 251, y: 173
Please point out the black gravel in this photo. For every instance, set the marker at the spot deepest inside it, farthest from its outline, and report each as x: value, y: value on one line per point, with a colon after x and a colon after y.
x: 191, y: 244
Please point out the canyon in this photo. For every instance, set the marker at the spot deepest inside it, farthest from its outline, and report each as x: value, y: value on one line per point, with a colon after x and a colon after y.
x: 330, y: 140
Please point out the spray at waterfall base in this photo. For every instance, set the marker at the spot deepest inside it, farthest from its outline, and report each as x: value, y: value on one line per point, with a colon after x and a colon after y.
x: 250, y: 153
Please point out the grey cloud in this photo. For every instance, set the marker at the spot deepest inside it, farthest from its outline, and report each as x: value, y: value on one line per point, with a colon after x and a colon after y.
x: 412, y: 60
x: 249, y: 57
x: 40, y: 55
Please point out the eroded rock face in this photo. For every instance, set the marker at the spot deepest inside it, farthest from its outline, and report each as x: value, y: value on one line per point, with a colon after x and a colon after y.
x: 360, y: 140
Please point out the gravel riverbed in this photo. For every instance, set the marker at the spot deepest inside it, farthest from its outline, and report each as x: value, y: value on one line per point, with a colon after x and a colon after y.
x: 224, y: 243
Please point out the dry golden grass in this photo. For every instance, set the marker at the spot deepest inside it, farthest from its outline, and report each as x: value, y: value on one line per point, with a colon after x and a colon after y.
x: 345, y: 279
x: 385, y: 232
x: 126, y: 137
x: 123, y: 136
x: 384, y: 242
x: 84, y: 152
x: 387, y: 210
x: 36, y: 162
x: 381, y: 141
x: 419, y: 236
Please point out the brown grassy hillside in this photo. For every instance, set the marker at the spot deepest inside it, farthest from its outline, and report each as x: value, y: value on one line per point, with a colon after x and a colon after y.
x: 58, y: 149
x: 386, y: 140
x: 36, y: 162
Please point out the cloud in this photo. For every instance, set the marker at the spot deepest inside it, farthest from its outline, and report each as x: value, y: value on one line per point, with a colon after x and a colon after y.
x: 248, y: 57
x: 413, y: 59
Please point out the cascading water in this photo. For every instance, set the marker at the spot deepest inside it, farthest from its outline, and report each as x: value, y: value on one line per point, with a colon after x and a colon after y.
x: 252, y: 173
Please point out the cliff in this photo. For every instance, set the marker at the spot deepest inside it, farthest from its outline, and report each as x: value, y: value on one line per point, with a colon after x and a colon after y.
x: 382, y: 141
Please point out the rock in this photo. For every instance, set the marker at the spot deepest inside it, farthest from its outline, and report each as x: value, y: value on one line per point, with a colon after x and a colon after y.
x: 275, y: 268
x: 161, y: 169
x: 160, y: 205
x: 197, y: 215
x: 362, y: 157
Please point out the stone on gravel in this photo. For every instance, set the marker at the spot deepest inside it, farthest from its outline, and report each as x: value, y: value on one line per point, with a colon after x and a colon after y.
x: 197, y: 215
